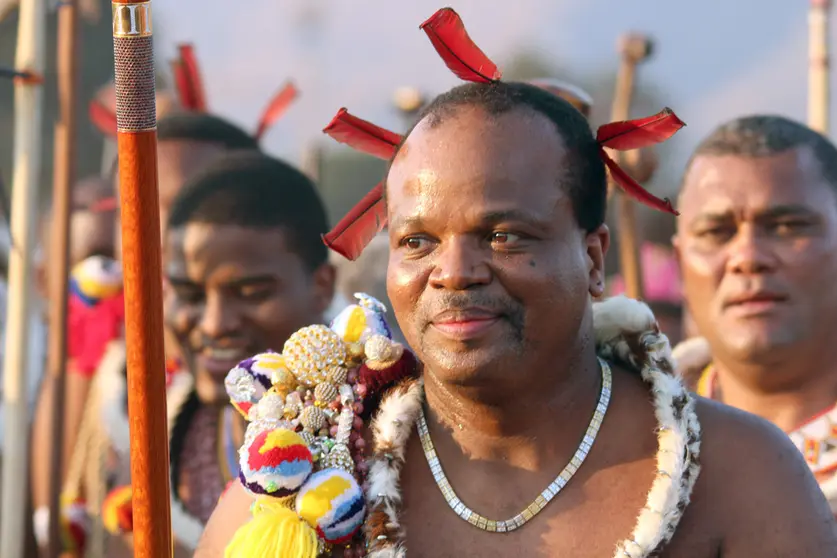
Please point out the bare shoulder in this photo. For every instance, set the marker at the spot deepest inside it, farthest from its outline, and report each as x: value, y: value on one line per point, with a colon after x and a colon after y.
x: 756, y: 484
x: 232, y: 512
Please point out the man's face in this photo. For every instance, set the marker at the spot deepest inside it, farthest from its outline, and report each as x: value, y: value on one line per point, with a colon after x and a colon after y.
x: 177, y: 162
x: 488, y: 268
x: 758, y: 248
x: 232, y: 292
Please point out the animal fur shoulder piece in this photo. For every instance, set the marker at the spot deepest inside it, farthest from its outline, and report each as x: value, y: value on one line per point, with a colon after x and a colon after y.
x: 627, y: 334
x: 692, y: 356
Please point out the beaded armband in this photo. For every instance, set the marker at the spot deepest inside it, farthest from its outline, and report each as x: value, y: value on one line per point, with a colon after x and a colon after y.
x: 302, y: 457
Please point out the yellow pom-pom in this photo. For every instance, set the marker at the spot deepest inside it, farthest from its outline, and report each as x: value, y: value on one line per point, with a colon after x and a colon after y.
x: 274, y: 532
x: 117, y: 511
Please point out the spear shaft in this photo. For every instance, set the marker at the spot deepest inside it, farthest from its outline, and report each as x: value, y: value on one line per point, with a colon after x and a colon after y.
x: 137, y: 146
x: 26, y: 174
x: 819, y: 91
x: 65, y: 173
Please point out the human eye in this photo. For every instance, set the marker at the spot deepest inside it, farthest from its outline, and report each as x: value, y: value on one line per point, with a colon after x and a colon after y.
x: 503, y: 237
x: 415, y: 243
x: 256, y: 293
x: 790, y: 226
x: 716, y: 232
x: 188, y: 294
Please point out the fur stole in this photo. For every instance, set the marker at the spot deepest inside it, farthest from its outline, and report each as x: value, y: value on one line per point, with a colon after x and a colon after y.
x: 626, y: 334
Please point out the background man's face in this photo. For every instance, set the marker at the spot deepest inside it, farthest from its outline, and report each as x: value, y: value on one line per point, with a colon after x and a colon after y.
x: 487, y: 263
x: 232, y: 292
x: 758, y: 246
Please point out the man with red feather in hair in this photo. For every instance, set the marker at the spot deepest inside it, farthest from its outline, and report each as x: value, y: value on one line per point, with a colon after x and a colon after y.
x: 495, y: 204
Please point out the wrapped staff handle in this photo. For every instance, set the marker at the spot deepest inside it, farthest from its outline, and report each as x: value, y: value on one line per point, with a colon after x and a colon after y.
x: 819, y: 93
x: 136, y: 117
x: 634, y: 49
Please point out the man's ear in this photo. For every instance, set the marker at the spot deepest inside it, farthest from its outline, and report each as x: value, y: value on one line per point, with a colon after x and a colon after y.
x: 675, y: 244
x: 597, y: 243
x: 324, y: 279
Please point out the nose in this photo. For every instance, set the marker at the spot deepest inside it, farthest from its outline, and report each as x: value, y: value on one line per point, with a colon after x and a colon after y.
x: 750, y: 253
x: 219, y: 317
x: 460, y: 265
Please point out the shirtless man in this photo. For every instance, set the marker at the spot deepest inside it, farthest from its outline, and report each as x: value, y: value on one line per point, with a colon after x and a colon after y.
x: 757, y: 242
x: 496, y: 204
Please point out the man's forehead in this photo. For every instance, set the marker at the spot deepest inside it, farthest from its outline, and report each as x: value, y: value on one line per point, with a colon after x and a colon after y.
x: 199, y: 241
x: 719, y: 183
x: 180, y: 152
x: 468, y: 147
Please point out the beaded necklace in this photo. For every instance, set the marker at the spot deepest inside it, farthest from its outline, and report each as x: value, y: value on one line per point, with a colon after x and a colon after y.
x: 626, y: 334
x: 550, y: 492
x: 816, y: 438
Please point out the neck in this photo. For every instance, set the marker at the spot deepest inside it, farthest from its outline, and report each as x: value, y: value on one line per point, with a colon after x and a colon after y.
x: 788, y: 406
x: 517, y: 424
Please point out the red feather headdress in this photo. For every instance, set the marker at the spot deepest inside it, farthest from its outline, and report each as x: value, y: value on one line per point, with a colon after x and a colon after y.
x: 450, y: 39
x: 192, y: 97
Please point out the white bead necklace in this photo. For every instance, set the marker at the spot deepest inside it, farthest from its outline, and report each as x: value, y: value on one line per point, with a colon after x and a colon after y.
x: 477, y: 520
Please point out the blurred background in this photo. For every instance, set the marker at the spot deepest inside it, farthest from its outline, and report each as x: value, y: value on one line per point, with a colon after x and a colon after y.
x: 713, y: 60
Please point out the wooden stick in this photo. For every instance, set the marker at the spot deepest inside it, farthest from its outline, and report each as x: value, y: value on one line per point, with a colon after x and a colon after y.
x: 633, y: 49
x: 31, y: 42
x: 312, y: 161
x: 64, y: 177
x: 142, y: 269
x: 819, y: 91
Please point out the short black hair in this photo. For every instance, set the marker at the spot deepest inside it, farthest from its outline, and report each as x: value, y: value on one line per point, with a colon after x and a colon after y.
x: 198, y: 127
x: 204, y: 127
x: 586, y: 178
x: 250, y: 189
x: 763, y: 135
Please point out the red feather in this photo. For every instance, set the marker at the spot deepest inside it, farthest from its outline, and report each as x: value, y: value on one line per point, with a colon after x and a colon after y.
x: 360, y: 225
x: 464, y: 58
x: 276, y: 108
x: 362, y: 135
x: 181, y: 85
x: 192, y: 78
x: 633, y: 189
x: 103, y: 118
x: 639, y: 133
x: 103, y: 205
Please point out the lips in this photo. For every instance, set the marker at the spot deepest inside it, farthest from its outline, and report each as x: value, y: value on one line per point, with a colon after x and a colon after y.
x: 219, y: 361
x: 465, y: 323
x: 755, y: 303
x: 762, y: 297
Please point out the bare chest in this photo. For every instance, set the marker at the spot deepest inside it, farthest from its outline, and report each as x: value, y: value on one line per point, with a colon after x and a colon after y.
x: 587, y: 519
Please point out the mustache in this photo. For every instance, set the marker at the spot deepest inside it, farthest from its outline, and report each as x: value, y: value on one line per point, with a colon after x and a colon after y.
x: 505, y: 307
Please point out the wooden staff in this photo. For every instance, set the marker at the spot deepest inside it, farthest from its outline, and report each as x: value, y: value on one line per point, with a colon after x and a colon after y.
x: 26, y: 174
x: 819, y: 92
x: 633, y: 49
x: 64, y: 177
x: 136, y: 116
